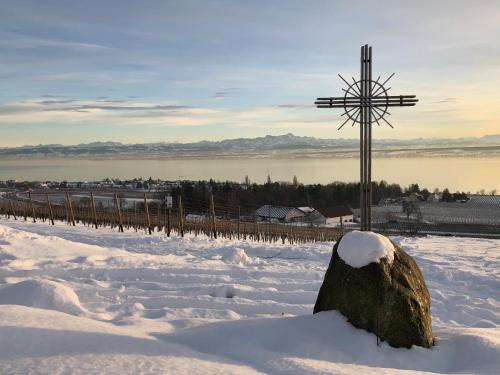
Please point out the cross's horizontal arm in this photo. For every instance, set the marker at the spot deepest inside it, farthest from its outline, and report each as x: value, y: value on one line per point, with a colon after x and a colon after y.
x: 355, y: 101
x: 363, y: 105
x: 373, y: 97
x: 366, y: 101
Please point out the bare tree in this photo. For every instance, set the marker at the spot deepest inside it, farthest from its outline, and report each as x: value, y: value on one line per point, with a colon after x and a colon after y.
x: 410, y: 208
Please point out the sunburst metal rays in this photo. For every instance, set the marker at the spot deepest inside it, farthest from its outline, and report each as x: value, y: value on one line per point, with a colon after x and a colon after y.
x: 377, y: 103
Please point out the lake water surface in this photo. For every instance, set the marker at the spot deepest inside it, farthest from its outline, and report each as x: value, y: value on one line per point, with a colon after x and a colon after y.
x: 456, y: 173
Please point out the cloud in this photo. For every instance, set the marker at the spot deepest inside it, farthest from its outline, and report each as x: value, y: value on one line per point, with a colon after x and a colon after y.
x: 120, y: 108
x: 224, y: 93
x: 295, y: 105
x: 109, y: 112
x: 444, y: 100
x: 48, y: 96
x: 23, y: 41
x: 51, y: 102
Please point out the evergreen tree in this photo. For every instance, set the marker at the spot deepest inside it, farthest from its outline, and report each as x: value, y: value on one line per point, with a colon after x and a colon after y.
x: 269, y: 182
x: 446, y: 196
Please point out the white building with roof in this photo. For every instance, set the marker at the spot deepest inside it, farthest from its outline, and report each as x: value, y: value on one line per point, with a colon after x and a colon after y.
x: 279, y: 214
x: 313, y: 216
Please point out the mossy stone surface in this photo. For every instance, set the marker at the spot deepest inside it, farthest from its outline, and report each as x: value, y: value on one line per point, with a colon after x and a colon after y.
x: 390, y: 300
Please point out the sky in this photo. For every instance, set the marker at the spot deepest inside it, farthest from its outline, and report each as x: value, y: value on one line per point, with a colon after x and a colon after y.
x: 180, y: 71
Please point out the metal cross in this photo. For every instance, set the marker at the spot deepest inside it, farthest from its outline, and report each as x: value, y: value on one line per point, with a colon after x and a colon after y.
x: 366, y: 101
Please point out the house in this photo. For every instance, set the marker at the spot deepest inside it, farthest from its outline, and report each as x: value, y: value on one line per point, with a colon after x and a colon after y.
x: 336, y: 215
x: 414, y: 197
x: 312, y: 216
x: 386, y: 201
x: 194, y: 218
x: 434, y: 197
x: 279, y: 214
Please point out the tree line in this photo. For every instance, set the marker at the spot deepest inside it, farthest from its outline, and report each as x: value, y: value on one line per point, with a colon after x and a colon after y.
x: 249, y: 196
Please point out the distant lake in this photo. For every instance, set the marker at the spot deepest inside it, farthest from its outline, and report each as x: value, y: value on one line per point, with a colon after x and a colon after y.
x: 464, y: 174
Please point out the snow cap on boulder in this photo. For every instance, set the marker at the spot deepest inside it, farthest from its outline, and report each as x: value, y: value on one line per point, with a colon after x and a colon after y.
x: 358, y: 249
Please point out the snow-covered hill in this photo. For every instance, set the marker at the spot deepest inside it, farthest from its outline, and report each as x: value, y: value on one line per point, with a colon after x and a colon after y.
x: 77, y: 300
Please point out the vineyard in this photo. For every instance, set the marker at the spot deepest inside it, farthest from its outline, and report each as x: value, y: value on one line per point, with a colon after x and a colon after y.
x: 142, y: 213
x: 150, y: 212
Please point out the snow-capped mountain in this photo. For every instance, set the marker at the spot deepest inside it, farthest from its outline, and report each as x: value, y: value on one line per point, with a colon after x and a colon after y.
x: 262, y: 146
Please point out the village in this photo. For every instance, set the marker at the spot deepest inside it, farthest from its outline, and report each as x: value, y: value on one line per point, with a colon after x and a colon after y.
x: 409, y: 211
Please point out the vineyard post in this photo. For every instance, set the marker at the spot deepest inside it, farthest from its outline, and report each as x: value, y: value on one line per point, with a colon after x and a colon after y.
x: 212, y: 215
x: 94, y: 213
x: 32, y: 208
x: 146, y: 210
x: 11, y: 206
x: 49, y: 205
x: 158, y: 211
x: 135, y: 216
x: 169, y: 216
x: 25, y: 211
x: 239, y: 218
x: 119, y: 213
x: 71, y: 214
x: 269, y: 223
x: 181, y: 216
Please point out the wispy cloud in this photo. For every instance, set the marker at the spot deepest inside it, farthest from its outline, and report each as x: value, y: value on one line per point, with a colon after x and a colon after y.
x: 291, y: 106
x: 117, y: 107
x: 111, y: 112
x: 224, y: 93
x: 22, y: 41
x: 444, y: 101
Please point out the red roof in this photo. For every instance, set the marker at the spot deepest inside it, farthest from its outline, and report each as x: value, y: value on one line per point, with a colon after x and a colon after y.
x: 335, y: 211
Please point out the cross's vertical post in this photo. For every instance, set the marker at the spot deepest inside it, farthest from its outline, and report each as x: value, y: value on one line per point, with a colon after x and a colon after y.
x: 366, y: 137
x: 362, y: 141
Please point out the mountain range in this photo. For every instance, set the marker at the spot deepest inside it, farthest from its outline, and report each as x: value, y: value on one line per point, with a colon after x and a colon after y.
x: 287, y: 145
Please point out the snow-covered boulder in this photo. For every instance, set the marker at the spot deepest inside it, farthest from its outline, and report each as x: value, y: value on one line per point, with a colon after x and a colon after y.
x: 378, y: 287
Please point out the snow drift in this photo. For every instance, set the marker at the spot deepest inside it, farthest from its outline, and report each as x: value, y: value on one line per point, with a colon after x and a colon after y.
x: 43, y: 294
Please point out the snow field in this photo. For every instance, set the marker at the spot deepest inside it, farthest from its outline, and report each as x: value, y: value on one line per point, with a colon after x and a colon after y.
x: 77, y: 300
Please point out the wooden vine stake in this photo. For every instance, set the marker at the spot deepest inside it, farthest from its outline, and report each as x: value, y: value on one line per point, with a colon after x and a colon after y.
x: 146, y: 210
x: 181, y: 216
x: 49, y: 205
x: 212, y: 216
x: 135, y: 216
x: 239, y: 218
x: 25, y: 211
x: 94, y: 213
x: 158, y: 217
x: 169, y: 215
x: 118, y: 213
x: 11, y: 206
x: 71, y: 214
